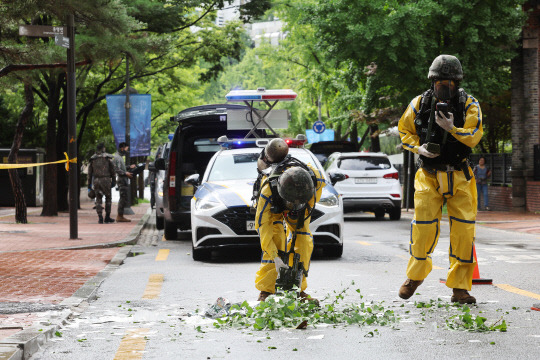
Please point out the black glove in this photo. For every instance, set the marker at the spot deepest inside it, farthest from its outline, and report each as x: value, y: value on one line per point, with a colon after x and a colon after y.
x: 113, y: 183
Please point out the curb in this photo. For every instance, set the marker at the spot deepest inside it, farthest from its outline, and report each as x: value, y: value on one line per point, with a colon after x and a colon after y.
x: 27, y: 342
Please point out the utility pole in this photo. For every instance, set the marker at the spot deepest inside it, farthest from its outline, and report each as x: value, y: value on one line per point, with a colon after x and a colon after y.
x: 72, y: 130
x: 127, y: 105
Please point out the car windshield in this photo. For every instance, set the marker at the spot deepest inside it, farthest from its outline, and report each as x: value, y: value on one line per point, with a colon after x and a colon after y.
x: 364, y: 163
x: 243, y: 166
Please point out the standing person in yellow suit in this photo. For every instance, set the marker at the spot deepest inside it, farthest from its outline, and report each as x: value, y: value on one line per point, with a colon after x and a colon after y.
x: 442, y: 126
x: 287, y: 195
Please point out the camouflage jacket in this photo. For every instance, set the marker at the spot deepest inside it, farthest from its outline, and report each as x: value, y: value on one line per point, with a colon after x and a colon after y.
x: 119, y: 164
x: 101, y: 165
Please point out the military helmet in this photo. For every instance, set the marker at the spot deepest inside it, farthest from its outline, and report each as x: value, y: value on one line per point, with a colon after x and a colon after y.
x: 276, y: 150
x: 91, y: 194
x: 446, y: 67
x: 295, y: 186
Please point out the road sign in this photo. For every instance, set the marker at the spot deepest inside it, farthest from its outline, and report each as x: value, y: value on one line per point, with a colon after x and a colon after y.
x: 41, y: 30
x: 61, y: 40
x: 319, y: 127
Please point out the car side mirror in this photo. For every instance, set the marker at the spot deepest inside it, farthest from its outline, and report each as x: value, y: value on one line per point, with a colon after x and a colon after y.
x: 192, y: 180
x: 159, y: 164
x: 337, y: 177
x: 152, y: 167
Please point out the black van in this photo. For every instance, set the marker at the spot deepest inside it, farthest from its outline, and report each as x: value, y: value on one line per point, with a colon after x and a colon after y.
x: 193, y: 145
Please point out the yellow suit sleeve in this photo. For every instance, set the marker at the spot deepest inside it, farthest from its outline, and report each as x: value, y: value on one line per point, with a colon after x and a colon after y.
x: 471, y: 132
x: 321, y: 182
x: 407, y: 130
x: 264, y: 221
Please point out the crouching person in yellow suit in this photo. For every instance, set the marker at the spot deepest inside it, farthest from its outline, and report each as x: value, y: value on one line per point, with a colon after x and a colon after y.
x: 287, y: 196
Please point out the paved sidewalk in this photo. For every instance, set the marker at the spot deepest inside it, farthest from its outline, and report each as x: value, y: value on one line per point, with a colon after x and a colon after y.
x: 43, y: 272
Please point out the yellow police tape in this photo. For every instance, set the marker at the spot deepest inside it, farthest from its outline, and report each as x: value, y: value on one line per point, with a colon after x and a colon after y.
x: 18, y: 166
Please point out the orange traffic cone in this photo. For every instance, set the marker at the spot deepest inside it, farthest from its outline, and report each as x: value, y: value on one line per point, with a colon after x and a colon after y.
x: 476, y: 280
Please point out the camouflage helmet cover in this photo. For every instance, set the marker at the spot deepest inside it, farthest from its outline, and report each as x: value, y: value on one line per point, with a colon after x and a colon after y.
x: 276, y: 150
x: 295, y: 186
x: 446, y: 67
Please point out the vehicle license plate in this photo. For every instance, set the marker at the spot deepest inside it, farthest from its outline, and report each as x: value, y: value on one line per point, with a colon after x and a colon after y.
x: 365, y: 180
x: 250, y: 225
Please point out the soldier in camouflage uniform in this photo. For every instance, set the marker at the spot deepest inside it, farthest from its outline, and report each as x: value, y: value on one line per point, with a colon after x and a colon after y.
x: 101, y: 174
x: 123, y: 177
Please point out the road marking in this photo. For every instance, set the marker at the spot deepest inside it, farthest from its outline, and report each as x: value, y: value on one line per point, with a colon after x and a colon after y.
x: 163, y: 238
x: 132, y: 345
x: 365, y: 243
x: 153, y: 288
x: 162, y: 254
x: 515, y: 290
x: 403, y: 257
x: 437, y: 267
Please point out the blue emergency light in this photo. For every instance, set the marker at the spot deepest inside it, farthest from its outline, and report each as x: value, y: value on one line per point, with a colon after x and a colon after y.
x: 261, y: 94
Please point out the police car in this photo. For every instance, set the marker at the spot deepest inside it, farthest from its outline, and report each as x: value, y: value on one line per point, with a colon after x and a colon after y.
x: 221, y: 208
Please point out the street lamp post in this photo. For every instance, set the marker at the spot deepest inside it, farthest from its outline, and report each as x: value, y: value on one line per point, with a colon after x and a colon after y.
x: 127, y: 105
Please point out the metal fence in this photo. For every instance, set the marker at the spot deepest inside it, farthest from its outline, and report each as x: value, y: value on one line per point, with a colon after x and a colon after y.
x: 500, y: 165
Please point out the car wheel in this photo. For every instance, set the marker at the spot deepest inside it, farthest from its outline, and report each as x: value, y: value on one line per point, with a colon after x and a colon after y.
x: 334, y: 251
x: 395, y: 214
x: 379, y: 214
x: 159, y: 223
x: 200, y: 254
x: 171, y: 231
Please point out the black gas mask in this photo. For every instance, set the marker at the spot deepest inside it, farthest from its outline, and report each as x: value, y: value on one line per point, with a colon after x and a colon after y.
x: 445, y: 89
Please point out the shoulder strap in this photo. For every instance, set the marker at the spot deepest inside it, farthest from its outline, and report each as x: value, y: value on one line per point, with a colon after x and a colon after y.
x: 424, y: 104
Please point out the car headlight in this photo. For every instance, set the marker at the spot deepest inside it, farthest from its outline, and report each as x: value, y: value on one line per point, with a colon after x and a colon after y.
x: 329, y: 200
x: 206, y: 204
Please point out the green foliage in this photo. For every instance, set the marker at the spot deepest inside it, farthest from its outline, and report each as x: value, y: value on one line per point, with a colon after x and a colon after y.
x: 288, y: 311
x: 475, y: 323
x: 403, y: 38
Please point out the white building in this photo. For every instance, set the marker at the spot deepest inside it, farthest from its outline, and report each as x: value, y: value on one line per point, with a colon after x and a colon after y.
x: 270, y: 31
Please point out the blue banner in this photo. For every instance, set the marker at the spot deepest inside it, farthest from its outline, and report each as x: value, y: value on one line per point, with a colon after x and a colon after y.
x: 326, y: 135
x: 139, y: 121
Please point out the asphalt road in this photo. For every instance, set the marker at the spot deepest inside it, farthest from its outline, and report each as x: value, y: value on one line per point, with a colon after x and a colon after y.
x: 149, y: 308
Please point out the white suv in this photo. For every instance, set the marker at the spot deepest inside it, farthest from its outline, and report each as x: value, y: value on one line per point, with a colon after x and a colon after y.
x: 372, y: 182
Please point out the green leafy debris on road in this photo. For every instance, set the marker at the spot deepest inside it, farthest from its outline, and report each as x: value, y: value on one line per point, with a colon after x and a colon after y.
x: 459, y: 317
x: 475, y: 323
x: 288, y: 311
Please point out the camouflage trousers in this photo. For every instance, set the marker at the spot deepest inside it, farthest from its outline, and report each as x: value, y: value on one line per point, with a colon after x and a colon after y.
x: 123, y: 188
x: 102, y: 187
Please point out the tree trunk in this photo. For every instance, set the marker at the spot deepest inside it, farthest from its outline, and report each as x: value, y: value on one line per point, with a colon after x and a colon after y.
x: 16, y: 185
x: 62, y: 187
x: 50, y: 206
x: 354, y: 134
x: 375, y: 143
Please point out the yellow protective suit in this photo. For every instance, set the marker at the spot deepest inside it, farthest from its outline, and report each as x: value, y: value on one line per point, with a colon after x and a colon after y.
x: 461, y: 198
x: 276, y: 229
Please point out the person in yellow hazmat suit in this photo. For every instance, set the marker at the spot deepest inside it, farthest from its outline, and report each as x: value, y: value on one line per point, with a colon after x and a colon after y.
x: 441, y: 126
x: 288, y: 192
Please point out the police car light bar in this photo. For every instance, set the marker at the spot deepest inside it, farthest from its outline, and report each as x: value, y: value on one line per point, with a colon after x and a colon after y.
x: 261, y: 94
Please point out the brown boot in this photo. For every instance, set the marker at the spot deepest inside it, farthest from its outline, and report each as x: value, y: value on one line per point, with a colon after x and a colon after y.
x: 305, y: 297
x: 408, y: 288
x: 463, y: 297
x: 263, y: 295
x: 121, y: 218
